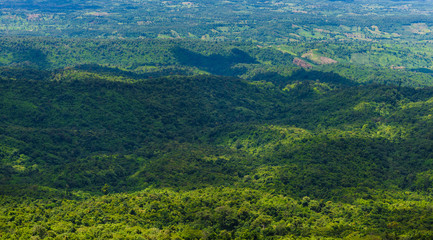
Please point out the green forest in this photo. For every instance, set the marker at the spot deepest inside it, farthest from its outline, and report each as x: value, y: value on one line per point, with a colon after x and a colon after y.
x: 216, y: 119
x: 195, y: 150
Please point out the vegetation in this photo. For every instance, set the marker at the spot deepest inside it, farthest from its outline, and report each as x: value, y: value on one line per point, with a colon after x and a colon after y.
x: 136, y: 59
x: 216, y: 119
x: 217, y: 157
x: 217, y: 213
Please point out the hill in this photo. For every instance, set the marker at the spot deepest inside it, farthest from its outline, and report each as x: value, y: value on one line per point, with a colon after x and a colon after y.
x: 143, y: 58
x: 76, y: 134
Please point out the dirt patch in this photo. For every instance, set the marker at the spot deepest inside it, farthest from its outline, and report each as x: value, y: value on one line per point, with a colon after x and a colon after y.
x: 301, y: 63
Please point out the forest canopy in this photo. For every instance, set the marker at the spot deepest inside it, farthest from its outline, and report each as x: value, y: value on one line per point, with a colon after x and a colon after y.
x: 216, y: 119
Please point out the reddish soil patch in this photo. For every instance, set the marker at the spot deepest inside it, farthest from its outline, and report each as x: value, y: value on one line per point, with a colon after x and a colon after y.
x: 301, y: 63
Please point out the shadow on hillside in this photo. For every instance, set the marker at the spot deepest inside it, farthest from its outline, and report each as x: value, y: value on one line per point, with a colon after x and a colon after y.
x: 26, y: 57
x: 303, y: 75
x: 214, y: 63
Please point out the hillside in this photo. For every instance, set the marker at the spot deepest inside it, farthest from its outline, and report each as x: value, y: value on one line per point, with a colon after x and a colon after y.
x: 210, y: 119
x: 69, y: 136
x: 144, y: 58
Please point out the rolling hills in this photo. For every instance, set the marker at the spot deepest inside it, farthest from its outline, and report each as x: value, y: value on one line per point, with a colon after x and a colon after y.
x: 71, y: 136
